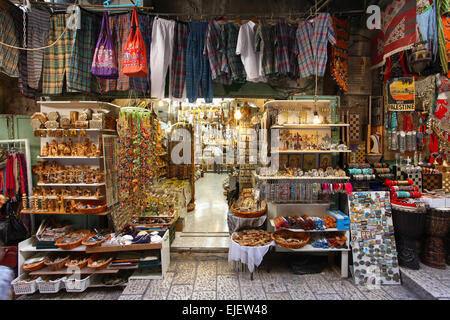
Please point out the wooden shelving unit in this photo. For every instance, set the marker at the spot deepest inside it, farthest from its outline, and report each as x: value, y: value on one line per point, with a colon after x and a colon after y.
x: 280, y: 208
x: 28, y: 211
x: 131, y: 247
x: 47, y: 272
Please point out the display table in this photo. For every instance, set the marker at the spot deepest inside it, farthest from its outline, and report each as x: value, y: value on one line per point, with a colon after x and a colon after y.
x: 251, y: 256
x: 236, y: 223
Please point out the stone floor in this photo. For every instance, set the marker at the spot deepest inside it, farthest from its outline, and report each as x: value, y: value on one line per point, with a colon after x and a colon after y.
x: 429, y: 283
x: 199, y: 276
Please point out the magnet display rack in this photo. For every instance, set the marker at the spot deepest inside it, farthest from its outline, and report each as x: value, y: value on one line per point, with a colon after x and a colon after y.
x: 313, y: 209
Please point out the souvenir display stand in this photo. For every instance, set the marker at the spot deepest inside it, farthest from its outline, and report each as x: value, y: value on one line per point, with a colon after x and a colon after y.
x: 308, y: 130
x: 79, y: 164
x: 162, y: 249
x: 83, y: 148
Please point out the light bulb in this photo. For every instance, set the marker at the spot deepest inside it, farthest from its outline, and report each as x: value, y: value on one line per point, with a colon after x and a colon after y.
x: 238, y: 114
x: 316, y: 118
x: 161, y: 103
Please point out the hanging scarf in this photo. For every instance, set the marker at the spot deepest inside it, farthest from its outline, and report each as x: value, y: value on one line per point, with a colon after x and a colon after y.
x: 10, y: 180
x: 23, y: 173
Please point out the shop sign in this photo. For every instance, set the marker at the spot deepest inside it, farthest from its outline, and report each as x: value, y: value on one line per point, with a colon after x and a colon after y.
x: 401, y: 94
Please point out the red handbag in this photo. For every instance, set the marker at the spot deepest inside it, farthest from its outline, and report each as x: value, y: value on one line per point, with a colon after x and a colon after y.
x: 8, y: 257
x: 135, y: 55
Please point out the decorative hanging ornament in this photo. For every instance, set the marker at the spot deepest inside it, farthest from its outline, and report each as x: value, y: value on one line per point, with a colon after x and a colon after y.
x: 420, y: 57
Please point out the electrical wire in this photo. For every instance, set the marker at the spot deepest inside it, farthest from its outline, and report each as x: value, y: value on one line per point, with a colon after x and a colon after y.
x: 40, y: 48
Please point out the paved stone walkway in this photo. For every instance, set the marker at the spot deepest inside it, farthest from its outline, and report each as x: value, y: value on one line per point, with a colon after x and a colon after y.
x: 429, y: 283
x: 203, y: 276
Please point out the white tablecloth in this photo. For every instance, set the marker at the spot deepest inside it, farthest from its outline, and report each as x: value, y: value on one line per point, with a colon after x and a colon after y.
x: 251, y: 256
x: 236, y: 223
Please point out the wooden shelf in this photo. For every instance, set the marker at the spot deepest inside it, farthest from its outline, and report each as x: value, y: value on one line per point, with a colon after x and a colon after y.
x: 77, y: 158
x: 309, y: 248
x: 277, y: 104
x: 299, y: 178
x: 29, y: 211
x: 46, y: 271
x: 30, y: 248
x: 131, y: 247
x: 71, y: 198
x: 311, y: 151
x: 302, y: 231
x: 70, y: 184
x: 79, y: 105
x: 310, y: 126
x: 78, y: 129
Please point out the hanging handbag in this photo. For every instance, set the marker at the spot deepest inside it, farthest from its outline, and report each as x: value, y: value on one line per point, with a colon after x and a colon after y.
x: 12, y: 230
x: 135, y: 55
x: 104, y: 63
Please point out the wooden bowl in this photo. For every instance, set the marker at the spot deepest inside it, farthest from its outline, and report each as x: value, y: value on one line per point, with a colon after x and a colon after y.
x: 72, y: 245
x: 245, y: 214
x: 304, y: 238
x: 54, y: 266
x: 34, y: 266
x: 94, y: 258
x: 100, y: 209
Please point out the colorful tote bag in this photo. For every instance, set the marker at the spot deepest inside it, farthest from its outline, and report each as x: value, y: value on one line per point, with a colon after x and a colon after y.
x: 104, y: 63
x: 135, y: 55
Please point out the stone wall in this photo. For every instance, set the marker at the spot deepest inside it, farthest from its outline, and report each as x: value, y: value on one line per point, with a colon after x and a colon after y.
x: 12, y: 101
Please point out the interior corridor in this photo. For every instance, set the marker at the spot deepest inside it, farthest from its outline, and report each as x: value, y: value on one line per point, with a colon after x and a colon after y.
x: 206, y: 226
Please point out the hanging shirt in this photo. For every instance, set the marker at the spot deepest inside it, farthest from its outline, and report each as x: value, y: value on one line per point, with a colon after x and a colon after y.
x: 312, y: 40
x: 426, y: 21
x: 264, y: 43
x: 285, y: 49
x: 246, y: 48
x: 234, y: 66
x: 214, y: 50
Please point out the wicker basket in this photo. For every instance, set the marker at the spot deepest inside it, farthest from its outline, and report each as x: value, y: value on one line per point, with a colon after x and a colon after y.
x: 72, y: 245
x: 100, y: 209
x: 94, y: 244
x: 29, y: 287
x: 34, y: 266
x: 244, y: 214
x: 51, y: 286
x: 94, y: 258
x: 303, y: 236
x: 56, y: 266
x: 79, y: 265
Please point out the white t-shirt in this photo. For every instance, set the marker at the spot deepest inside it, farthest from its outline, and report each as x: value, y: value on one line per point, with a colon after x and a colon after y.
x: 246, y: 48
